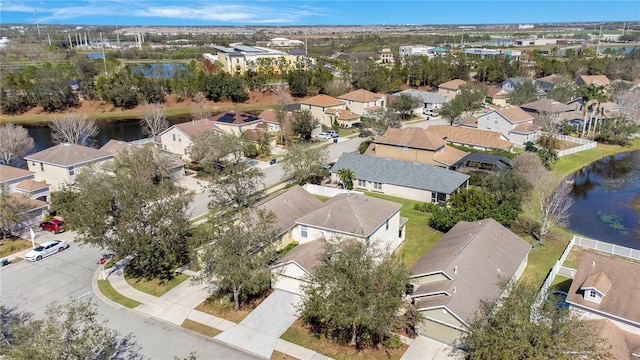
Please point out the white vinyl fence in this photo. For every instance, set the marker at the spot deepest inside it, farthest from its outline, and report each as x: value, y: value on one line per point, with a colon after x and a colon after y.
x: 585, y: 144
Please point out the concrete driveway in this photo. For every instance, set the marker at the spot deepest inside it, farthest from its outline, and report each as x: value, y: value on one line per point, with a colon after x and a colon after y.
x: 261, y: 329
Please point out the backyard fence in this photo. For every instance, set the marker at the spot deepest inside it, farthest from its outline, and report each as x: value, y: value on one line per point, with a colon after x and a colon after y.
x: 585, y: 144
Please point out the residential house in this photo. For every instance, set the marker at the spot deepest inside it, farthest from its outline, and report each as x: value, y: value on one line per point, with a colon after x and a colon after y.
x: 21, y: 183
x: 548, y: 111
x: 510, y: 84
x: 270, y: 117
x: 545, y: 83
x: 429, y: 100
x: 470, y: 137
x: 599, y: 80
x: 235, y: 122
x: 344, y: 216
x: 621, y: 344
x: 605, y: 287
x: 60, y: 164
x: 175, y: 164
x: 465, y: 267
x: 360, y: 101
x: 450, y: 89
x: 344, y: 118
x: 178, y: 138
x: 497, y: 96
x: 512, y: 122
x: 416, y: 145
x: 319, y: 104
x: 404, y: 179
x: 288, y: 206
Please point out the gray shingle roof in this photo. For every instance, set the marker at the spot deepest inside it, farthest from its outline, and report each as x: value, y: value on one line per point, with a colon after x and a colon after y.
x: 426, y: 96
x: 401, y: 173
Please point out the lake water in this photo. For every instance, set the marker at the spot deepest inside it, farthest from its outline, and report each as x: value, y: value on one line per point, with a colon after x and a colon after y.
x: 127, y: 130
x: 607, y: 200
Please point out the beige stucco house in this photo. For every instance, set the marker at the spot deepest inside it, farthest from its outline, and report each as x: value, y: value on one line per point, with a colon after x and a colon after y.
x: 318, y: 106
x: 450, y: 89
x: 345, y: 216
x: 178, y: 138
x: 515, y: 124
x: 463, y: 268
x: 360, y: 101
x: 470, y: 137
x: 414, y: 144
x: 22, y: 186
x: 60, y: 164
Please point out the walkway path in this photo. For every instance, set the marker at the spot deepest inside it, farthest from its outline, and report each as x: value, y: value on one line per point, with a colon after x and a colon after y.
x: 179, y: 304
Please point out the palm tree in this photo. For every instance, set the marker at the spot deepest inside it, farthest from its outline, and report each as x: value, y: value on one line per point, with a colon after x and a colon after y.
x: 591, y: 94
x: 346, y: 177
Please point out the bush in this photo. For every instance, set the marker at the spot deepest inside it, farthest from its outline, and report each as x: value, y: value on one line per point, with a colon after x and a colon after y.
x: 392, y: 342
x: 425, y: 207
x: 611, y: 139
x: 476, y: 178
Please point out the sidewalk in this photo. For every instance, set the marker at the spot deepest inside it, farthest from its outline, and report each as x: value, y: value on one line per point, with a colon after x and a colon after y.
x: 179, y: 304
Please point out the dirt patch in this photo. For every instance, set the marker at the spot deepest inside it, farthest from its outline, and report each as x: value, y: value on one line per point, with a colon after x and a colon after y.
x: 219, y: 305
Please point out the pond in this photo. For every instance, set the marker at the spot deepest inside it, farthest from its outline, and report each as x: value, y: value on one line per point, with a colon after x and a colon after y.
x: 607, y: 200
x: 125, y: 130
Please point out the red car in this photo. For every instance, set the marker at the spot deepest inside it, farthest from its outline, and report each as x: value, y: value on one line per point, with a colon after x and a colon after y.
x: 54, y: 226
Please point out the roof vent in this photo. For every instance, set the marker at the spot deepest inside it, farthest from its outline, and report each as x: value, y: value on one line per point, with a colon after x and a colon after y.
x: 454, y: 289
x: 593, y: 263
x: 455, y: 269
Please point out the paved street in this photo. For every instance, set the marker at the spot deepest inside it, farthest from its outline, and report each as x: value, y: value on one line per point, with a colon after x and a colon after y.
x: 31, y: 286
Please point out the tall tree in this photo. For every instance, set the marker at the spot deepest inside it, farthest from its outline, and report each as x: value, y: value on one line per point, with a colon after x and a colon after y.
x: 563, y: 90
x: 378, y: 121
x: 13, y: 210
x: 591, y: 95
x: 504, y: 328
x: 305, y: 163
x: 200, y: 109
x: 346, y: 176
x: 73, y: 128
x: 135, y: 212
x: 355, y: 292
x: 154, y: 119
x: 551, y: 192
x: 524, y: 92
x: 69, y: 331
x: 303, y: 123
x: 238, y: 258
x: 405, y: 105
x: 451, y: 111
x: 15, y: 142
x: 215, y: 150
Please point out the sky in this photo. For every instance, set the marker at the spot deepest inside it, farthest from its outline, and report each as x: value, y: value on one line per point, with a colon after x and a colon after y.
x: 319, y: 12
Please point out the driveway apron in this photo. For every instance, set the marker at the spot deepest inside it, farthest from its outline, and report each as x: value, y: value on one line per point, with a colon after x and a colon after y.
x: 261, y: 329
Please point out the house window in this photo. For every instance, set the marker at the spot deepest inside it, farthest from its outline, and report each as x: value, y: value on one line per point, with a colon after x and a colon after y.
x: 185, y: 151
x: 405, y: 149
x: 387, y: 225
x: 41, y: 167
x: 592, y: 294
x: 362, y: 183
x: 377, y: 186
x: 174, y: 137
x: 179, y: 138
x: 303, y: 231
x: 164, y: 147
x: 72, y: 171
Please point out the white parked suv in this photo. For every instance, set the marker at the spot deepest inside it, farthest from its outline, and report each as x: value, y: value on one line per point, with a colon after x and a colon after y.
x: 323, y: 135
x: 333, y: 133
x: 429, y: 112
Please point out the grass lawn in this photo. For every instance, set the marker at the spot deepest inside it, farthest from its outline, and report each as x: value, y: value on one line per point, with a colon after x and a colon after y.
x: 297, y: 334
x: 156, y: 287
x: 573, y: 259
x: 200, y: 328
x: 219, y: 305
x: 10, y: 246
x: 569, y: 164
x: 561, y: 283
x: 544, y: 256
x: 277, y: 355
x: 107, y: 290
x: 322, y: 198
x: 419, y: 237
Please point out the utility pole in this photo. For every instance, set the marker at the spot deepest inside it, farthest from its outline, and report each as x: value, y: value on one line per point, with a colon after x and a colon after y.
x: 598, y: 47
x: 117, y: 33
x: 35, y: 15
x: 104, y: 58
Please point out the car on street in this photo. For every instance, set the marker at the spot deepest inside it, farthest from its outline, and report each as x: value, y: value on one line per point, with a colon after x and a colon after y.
x: 429, y: 112
x: 333, y: 133
x: 486, y: 105
x: 324, y: 135
x: 46, y: 249
x: 54, y: 226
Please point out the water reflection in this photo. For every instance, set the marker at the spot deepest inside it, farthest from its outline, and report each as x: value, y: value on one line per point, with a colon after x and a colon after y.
x: 607, y: 200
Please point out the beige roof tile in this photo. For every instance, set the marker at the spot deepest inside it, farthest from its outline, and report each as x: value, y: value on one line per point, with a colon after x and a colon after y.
x: 197, y: 127
x: 354, y: 214
x: 449, y: 156
x: 623, y: 296
x: 453, y: 84
x: 361, y: 95
x: 306, y: 255
x: 115, y: 146
x: 289, y: 205
x: 10, y: 173
x: 526, y: 128
x: 322, y: 100
x: 343, y: 114
x: 69, y: 155
x: 515, y: 114
x: 470, y: 137
x: 412, y: 137
x: 476, y: 256
x: 589, y: 79
x: 31, y: 185
x: 269, y: 115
